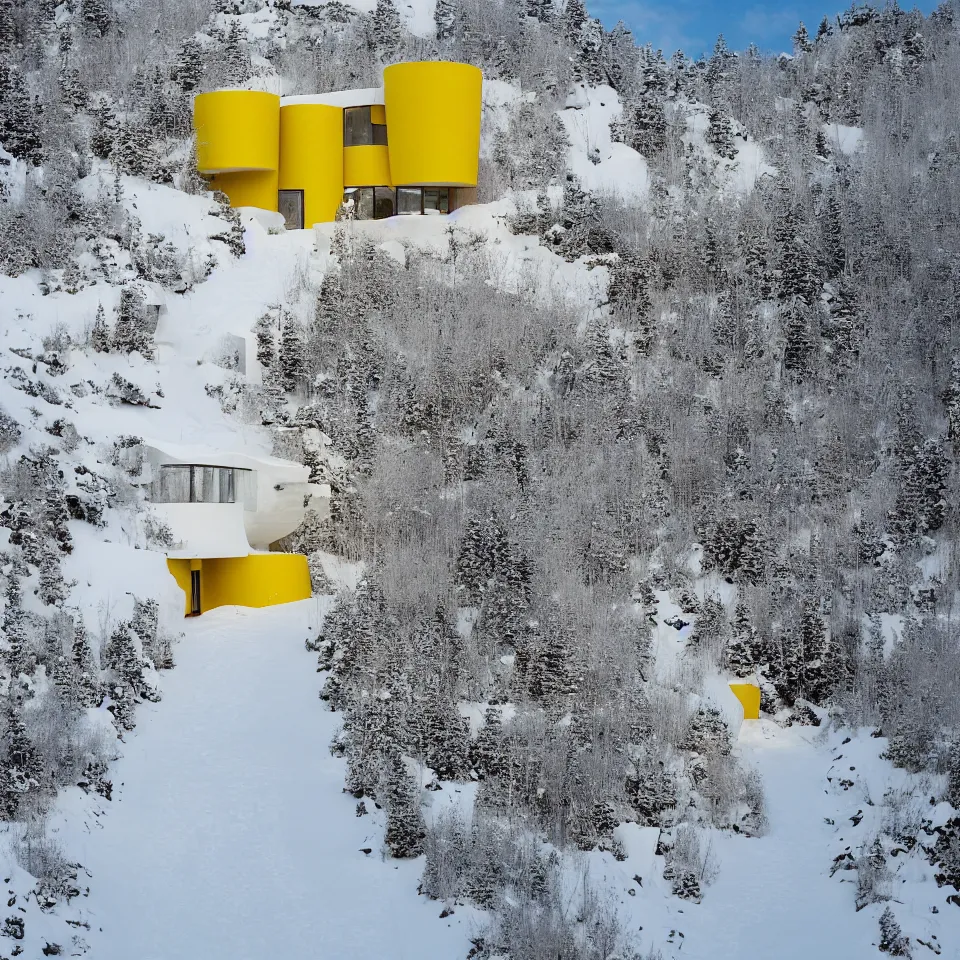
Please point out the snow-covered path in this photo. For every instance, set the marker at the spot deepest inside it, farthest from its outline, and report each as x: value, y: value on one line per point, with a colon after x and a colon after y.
x: 229, y: 837
x: 774, y: 895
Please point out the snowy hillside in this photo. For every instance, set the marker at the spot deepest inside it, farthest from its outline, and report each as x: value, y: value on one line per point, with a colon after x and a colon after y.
x: 674, y: 406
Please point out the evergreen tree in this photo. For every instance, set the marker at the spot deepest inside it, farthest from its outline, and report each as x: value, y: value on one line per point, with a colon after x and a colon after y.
x: 572, y: 21
x: 798, y: 349
x: 100, y: 333
x: 801, y: 40
x: 14, y: 623
x: 120, y: 656
x: 445, y: 15
x: 21, y: 771
x: 96, y: 17
x: 52, y: 588
x: 84, y: 667
x: 19, y: 132
x: 405, y: 827
x: 106, y: 128
x: 892, y: 940
x: 291, y: 368
x: 8, y: 27
x: 720, y: 134
x: 129, y: 331
x: 189, y: 67
x: 385, y: 29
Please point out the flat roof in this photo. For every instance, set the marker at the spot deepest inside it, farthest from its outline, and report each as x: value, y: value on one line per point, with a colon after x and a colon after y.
x: 339, y: 98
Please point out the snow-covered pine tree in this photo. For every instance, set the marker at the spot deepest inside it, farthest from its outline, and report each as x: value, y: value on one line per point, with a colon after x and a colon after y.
x: 129, y: 330
x: 385, y: 29
x: 21, y: 771
x: 19, y: 132
x: 84, y: 667
x: 892, y: 940
x: 405, y: 828
x: 290, y: 365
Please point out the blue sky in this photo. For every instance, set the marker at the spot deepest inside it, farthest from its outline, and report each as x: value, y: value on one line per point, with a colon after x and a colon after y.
x: 693, y: 25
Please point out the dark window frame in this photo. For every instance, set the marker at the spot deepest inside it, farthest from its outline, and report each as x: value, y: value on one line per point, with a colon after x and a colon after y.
x: 349, y: 191
x: 371, y: 135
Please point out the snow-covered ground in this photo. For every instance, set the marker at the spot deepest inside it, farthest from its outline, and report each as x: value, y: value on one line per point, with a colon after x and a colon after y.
x: 229, y: 836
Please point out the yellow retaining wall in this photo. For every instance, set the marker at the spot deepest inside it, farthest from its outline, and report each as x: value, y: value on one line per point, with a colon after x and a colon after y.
x: 259, y: 580
x: 433, y: 122
x: 367, y: 166
x: 749, y: 696
x: 311, y: 158
x: 238, y: 140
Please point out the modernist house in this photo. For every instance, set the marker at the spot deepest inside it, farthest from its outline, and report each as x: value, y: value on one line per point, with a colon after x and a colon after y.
x: 224, y: 511
x: 409, y: 147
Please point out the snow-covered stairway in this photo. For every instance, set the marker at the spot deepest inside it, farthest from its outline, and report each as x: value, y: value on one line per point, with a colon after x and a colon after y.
x: 773, y: 895
x: 229, y: 837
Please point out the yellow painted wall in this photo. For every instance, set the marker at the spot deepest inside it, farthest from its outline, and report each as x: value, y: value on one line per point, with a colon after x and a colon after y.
x: 378, y: 113
x: 259, y: 580
x: 433, y: 122
x: 311, y: 158
x: 749, y: 696
x: 181, y: 573
x: 238, y: 140
x: 237, y: 130
x: 255, y: 188
x: 367, y: 166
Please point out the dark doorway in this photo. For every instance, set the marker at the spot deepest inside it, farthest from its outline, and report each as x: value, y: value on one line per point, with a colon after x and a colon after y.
x: 290, y: 204
x: 194, y: 593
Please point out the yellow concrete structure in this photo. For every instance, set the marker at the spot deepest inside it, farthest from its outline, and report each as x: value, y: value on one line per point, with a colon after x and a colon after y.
x: 257, y: 580
x: 238, y: 144
x: 433, y: 122
x: 312, y: 158
x: 749, y: 696
x: 366, y: 166
x: 293, y: 155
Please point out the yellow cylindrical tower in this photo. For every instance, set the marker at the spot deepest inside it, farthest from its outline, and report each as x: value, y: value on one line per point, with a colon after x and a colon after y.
x: 238, y: 144
x: 433, y: 122
x: 311, y: 158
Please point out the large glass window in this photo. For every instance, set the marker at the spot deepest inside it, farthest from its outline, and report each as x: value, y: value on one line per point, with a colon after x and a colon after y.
x: 360, y: 128
x: 384, y: 202
x: 357, y: 128
x: 173, y: 485
x: 409, y: 200
x: 436, y: 199
x: 201, y: 484
x: 375, y: 203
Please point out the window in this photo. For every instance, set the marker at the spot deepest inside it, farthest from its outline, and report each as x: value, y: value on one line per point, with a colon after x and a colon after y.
x: 364, y: 126
x: 290, y: 204
x: 200, y: 484
x: 384, y: 202
x: 429, y: 200
x: 409, y: 200
x: 436, y: 199
x: 357, y: 128
x: 372, y: 203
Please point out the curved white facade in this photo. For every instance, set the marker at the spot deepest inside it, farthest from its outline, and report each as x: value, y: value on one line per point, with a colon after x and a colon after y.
x: 268, y: 500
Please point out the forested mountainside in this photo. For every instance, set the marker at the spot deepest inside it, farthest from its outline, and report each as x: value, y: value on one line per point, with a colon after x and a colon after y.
x: 678, y: 402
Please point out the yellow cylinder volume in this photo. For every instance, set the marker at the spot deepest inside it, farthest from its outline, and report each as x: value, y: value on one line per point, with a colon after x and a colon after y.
x: 311, y: 152
x: 238, y: 144
x: 433, y: 122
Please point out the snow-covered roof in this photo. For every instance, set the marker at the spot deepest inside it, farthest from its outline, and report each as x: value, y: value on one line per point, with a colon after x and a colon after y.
x: 339, y: 98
